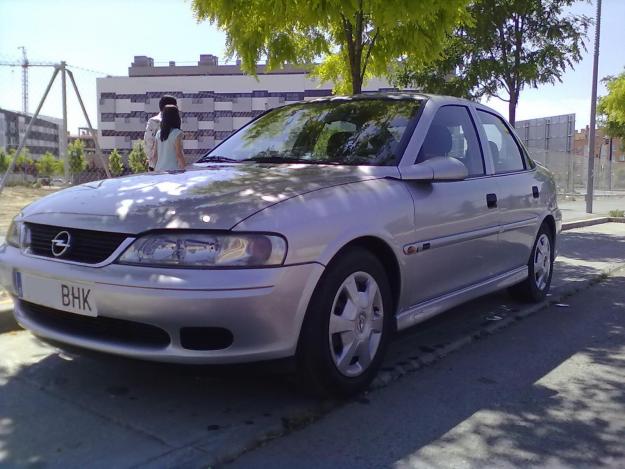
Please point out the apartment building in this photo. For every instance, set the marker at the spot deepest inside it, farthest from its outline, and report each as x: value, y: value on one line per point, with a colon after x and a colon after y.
x: 214, y: 99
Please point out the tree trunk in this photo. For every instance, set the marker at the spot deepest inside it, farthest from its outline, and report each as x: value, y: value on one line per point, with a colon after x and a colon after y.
x: 356, y: 80
x: 514, y: 100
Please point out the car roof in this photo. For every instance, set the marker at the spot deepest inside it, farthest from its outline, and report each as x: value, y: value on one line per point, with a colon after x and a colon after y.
x: 394, y: 95
x: 402, y: 95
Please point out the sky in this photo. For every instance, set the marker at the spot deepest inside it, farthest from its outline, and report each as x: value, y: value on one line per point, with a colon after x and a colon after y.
x: 98, y: 38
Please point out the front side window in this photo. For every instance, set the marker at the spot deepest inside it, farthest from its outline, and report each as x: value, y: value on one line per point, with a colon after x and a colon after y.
x: 503, y: 147
x: 341, y: 131
x: 453, y: 134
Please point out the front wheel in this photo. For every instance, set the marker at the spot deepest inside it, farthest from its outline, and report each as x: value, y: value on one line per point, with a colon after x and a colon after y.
x: 347, y: 326
x: 540, y: 269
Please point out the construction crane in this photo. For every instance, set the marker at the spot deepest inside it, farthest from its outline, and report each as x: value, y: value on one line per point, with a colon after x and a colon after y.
x: 25, y: 64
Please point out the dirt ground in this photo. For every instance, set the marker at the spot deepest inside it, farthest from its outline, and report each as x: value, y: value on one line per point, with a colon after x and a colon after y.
x: 13, y: 199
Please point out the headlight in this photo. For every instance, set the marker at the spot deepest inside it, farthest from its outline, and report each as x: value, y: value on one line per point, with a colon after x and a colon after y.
x: 189, y: 249
x: 13, y: 235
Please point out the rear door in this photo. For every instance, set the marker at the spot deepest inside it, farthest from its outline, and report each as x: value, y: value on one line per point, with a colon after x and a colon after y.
x: 518, y: 190
x: 456, y: 228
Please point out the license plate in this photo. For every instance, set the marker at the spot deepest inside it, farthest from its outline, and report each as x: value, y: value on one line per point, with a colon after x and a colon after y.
x: 73, y: 297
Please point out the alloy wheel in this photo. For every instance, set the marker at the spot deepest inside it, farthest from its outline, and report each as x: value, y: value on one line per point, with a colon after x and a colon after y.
x: 542, y: 261
x: 356, y: 324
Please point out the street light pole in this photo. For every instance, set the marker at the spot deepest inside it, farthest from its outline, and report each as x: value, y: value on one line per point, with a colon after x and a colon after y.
x: 593, y: 112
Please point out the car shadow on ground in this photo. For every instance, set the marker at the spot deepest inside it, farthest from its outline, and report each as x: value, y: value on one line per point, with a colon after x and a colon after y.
x: 495, y: 403
x: 512, y: 413
x: 175, y: 406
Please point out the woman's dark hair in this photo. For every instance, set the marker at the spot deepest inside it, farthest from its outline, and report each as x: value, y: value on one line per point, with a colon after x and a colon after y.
x: 170, y: 120
x: 166, y: 100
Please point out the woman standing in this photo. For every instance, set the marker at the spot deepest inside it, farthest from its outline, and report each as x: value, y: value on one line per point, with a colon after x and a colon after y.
x: 168, y: 149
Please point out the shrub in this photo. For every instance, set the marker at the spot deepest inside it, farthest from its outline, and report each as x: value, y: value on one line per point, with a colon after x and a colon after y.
x: 617, y: 213
x: 76, y: 157
x: 4, y: 161
x: 48, y: 165
x: 137, y: 159
x: 115, y: 163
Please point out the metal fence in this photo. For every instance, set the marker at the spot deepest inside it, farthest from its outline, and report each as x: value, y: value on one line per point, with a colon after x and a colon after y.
x: 571, y: 171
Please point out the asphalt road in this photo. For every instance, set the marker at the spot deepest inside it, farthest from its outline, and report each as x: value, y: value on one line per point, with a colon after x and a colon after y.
x: 546, y: 392
x: 65, y: 409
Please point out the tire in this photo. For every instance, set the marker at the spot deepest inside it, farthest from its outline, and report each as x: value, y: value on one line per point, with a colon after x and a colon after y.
x: 535, y: 287
x: 347, y: 327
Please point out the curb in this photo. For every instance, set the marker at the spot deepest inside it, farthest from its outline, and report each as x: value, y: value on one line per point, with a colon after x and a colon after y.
x: 570, y: 225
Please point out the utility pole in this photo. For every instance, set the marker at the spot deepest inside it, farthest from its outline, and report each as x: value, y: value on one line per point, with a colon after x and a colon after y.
x: 24, y: 80
x: 63, y: 141
x: 593, y: 112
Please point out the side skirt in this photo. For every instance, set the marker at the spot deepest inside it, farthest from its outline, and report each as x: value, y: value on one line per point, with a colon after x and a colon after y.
x: 422, y: 311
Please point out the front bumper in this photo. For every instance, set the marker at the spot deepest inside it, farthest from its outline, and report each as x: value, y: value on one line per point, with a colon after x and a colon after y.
x: 262, y: 308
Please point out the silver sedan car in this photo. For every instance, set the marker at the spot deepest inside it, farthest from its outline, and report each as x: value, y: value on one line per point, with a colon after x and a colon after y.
x: 315, y: 232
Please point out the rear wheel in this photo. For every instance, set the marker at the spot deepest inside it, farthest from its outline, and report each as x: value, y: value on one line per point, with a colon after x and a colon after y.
x: 540, y: 268
x: 347, y: 326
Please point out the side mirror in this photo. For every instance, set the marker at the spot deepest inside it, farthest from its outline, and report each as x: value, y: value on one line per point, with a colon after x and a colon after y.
x: 439, y: 168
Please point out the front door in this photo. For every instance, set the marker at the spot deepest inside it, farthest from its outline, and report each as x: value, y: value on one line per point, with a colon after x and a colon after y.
x: 456, y: 232
x: 519, y: 192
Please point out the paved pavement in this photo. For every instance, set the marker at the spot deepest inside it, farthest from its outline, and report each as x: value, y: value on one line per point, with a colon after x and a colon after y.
x: 64, y: 409
x: 574, y: 208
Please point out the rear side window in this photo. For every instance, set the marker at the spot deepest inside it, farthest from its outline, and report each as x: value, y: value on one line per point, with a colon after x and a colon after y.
x: 503, y: 147
x: 452, y: 133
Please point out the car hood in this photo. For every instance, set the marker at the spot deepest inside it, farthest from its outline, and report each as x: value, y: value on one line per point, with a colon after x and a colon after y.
x: 210, y: 197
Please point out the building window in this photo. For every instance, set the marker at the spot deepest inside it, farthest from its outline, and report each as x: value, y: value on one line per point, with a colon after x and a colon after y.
x: 197, y: 101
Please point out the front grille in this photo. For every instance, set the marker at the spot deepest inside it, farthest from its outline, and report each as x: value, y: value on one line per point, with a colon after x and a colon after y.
x: 88, y: 246
x: 117, y: 331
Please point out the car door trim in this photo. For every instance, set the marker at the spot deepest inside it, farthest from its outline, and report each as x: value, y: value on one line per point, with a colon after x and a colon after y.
x: 425, y: 310
x: 518, y: 224
x: 424, y: 245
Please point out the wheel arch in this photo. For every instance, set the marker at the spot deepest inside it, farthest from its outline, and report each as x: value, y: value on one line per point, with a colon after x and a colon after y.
x: 550, y: 222
x: 385, y: 254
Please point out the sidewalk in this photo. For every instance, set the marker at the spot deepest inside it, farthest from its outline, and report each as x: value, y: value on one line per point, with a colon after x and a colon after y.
x: 574, y: 208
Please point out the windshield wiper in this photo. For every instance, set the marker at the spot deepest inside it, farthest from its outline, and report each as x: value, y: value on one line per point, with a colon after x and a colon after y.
x: 287, y: 160
x: 217, y: 159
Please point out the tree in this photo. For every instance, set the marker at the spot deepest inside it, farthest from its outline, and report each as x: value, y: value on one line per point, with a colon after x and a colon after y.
x: 505, y: 46
x: 115, y: 163
x: 611, y: 107
x: 76, y: 163
x: 23, y: 160
x: 48, y: 165
x: 137, y: 159
x: 354, y: 39
x: 5, y: 160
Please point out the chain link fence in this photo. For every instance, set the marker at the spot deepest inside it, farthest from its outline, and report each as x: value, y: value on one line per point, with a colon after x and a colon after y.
x: 571, y: 172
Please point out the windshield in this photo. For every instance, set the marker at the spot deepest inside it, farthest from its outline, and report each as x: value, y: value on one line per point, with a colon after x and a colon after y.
x: 349, y: 132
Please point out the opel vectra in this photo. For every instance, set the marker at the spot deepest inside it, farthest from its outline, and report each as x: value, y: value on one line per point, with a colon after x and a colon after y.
x: 315, y: 232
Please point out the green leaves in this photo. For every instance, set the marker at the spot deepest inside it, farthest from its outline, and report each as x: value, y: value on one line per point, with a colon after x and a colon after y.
x: 349, y: 39
x: 76, y: 157
x: 48, y: 165
x: 508, y: 44
x: 137, y: 159
x: 116, y: 165
x: 612, y: 106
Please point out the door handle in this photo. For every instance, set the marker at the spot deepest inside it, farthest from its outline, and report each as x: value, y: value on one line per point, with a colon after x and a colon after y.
x: 491, y: 200
x: 535, y: 192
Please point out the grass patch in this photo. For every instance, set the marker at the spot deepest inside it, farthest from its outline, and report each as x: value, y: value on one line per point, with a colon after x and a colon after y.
x: 617, y: 213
